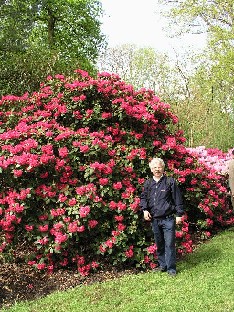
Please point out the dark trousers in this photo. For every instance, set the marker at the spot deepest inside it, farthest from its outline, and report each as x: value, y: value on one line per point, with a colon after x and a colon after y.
x: 232, y: 200
x: 164, y: 234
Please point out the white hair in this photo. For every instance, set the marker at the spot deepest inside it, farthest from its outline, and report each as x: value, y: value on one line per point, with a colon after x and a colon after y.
x: 155, y: 161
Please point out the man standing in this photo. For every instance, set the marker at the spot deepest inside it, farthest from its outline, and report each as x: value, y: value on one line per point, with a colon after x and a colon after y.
x: 162, y: 204
x: 231, y: 177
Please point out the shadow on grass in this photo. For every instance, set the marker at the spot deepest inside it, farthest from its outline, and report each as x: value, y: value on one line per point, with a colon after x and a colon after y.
x: 209, y: 252
x: 200, y: 258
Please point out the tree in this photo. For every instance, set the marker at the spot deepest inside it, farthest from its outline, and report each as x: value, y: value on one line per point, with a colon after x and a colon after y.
x: 214, y: 79
x: 216, y: 17
x: 143, y: 67
x: 43, y: 37
x: 212, y: 16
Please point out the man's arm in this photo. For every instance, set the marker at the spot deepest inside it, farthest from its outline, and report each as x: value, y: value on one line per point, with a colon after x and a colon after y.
x: 178, y: 201
x: 144, y: 202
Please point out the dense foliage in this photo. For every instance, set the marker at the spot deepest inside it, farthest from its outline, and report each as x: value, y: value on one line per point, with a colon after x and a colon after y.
x: 73, y: 159
x: 43, y: 37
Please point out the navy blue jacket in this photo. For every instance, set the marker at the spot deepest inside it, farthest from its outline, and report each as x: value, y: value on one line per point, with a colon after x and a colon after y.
x: 162, y: 198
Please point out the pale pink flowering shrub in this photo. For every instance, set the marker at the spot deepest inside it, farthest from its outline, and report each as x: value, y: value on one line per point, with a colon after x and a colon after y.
x: 73, y: 159
x: 213, y: 158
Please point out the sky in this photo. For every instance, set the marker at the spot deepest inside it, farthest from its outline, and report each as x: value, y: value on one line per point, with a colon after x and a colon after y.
x: 139, y: 22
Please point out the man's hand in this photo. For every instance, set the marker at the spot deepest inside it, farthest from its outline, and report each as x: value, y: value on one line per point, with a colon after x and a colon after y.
x: 147, y: 215
x: 178, y: 220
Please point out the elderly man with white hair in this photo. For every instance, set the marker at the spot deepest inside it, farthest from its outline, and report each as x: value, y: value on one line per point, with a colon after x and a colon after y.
x: 162, y: 204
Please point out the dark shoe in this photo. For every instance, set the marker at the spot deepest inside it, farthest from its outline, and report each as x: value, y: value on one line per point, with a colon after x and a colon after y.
x: 159, y: 269
x: 171, y: 273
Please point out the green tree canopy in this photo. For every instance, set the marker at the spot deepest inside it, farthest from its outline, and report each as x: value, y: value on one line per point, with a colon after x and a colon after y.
x: 212, y: 84
x: 216, y: 17
x: 42, y: 37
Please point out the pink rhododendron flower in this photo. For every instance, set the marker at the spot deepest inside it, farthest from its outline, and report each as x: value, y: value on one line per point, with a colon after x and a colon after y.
x: 121, y: 227
x: 129, y: 169
x: 43, y: 228
x: 115, y: 233
x: 152, y: 265
x: 32, y: 262
x: 109, y: 243
x: 63, y: 152
x: 89, y: 113
x: 103, y: 181
x: 43, y: 241
x: 106, y: 115
x: 209, y: 222
x: 29, y: 227
x: 92, y: 223
x: 117, y: 186
x: 72, y: 202
x: 80, y: 260
x: 73, y: 227
x: 44, y: 175
x: 102, y: 249
x: 43, y: 217
x: 57, y: 247
x: 84, y: 148
x: 18, y: 208
x: 59, y: 76
x: 62, y: 198
x: 61, y: 238
x: 18, y: 173
x: 152, y: 249
x: 129, y: 253
x: 58, y: 226
x: 41, y: 266
x: 84, y: 270
x: 64, y: 262
x: 111, y: 153
x: 119, y: 218
x: 81, y: 228
x: 47, y: 149
x: 179, y: 234
x: 121, y: 206
x: 84, y: 211
x: 207, y: 234
x: 57, y: 212
x: 146, y: 259
x: 94, y: 264
x: 49, y: 133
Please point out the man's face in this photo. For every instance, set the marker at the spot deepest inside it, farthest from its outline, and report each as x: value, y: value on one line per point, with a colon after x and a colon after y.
x: 157, y: 170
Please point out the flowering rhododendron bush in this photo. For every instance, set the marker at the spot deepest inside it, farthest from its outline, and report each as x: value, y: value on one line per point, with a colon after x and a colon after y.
x: 73, y: 160
x: 215, y: 159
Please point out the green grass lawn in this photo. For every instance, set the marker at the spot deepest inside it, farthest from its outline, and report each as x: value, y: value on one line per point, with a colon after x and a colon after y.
x: 205, y: 282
